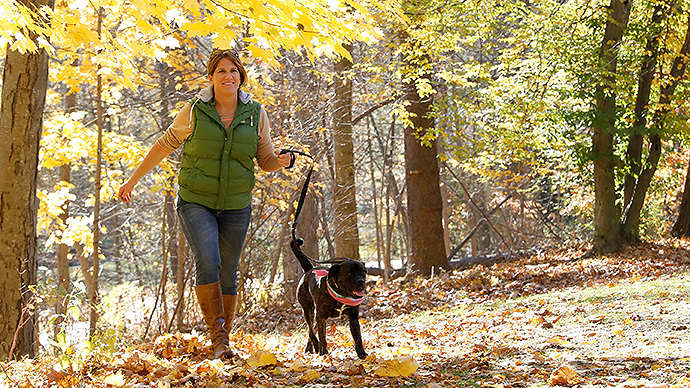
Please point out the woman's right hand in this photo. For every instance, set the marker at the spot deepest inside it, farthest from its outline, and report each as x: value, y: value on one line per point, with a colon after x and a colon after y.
x: 125, y: 192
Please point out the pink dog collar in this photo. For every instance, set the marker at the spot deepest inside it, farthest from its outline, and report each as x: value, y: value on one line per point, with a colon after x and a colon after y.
x: 321, y: 273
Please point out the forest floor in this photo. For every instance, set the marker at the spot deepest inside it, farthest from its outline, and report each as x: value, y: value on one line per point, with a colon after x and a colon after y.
x: 552, y: 319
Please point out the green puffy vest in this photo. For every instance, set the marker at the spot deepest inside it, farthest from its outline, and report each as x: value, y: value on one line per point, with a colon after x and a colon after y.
x: 217, y: 166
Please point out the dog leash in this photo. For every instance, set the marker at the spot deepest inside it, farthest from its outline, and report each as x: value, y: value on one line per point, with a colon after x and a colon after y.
x: 319, y: 273
x: 305, y: 185
x: 300, y: 202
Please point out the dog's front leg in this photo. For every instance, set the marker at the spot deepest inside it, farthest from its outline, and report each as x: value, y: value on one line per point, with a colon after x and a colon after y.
x: 321, y: 330
x: 353, y: 315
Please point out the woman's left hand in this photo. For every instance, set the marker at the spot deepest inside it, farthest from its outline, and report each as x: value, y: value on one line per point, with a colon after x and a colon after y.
x: 284, y: 159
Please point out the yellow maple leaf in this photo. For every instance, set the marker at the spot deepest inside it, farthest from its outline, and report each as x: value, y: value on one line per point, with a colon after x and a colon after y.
x: 261, y: 358
x: 401, y: 367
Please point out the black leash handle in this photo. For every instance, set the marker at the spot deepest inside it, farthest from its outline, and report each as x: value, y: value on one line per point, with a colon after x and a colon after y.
x: 293, y: 157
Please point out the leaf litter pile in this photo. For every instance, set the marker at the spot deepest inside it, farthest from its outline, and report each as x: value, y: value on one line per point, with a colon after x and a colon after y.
x: 547, y: 320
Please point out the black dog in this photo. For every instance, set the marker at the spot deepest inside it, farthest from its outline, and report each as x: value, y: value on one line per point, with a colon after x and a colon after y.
x: 330, y: 293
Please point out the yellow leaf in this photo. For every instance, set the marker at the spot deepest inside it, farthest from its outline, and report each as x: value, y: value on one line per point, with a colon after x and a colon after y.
x: 197, y: 28
x: 402, y: 367
x: 116, y: 379
x: 266, y: 55
x: 297, y: 366
x: 261, y: 358
x: 310, y: 376
x: 558, y: 341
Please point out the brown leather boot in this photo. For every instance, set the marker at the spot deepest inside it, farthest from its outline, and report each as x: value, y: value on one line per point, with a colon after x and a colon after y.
x: 229, y: 306
x: 211, y: 303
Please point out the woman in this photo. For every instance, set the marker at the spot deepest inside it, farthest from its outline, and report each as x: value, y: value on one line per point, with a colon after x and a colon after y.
x: 223, y: 131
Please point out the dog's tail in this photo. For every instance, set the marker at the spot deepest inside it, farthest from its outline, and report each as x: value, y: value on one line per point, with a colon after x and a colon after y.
x: 304, y: 260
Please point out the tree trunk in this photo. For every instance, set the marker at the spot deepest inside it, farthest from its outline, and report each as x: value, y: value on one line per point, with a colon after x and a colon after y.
x: 632, y: 215
x: 682, y: 226
x: 95, y: 266
x: 608, y: 228
x: 345, y: 203
x: 307, y: 227
x: 181, y: 277
x: 375, y: 204
x: 63, y: 280
x: 24, y: 83
x: 284, y: 231
x: 644, y: 88
x: 165, y: 79
x: 424, y: 204
x: 478, y: 211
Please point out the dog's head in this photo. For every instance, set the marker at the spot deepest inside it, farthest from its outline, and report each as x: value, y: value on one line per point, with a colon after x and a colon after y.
x: 349, y: 275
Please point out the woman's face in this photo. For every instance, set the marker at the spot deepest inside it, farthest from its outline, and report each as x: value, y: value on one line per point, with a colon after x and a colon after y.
x: 225, y: 78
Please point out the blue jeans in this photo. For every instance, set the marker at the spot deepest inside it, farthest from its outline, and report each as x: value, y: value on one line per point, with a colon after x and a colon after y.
x: 216, y: 238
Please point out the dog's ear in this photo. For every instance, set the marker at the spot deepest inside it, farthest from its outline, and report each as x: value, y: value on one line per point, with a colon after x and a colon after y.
x: 334, y: 270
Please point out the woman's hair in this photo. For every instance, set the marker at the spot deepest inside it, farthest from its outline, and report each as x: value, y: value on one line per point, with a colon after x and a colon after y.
x: 217, y: 55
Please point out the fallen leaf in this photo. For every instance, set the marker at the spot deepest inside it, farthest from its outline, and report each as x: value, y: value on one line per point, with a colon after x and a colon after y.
x: 297, y: 365
x: 503, y: 351
x: 55, y: 376
x: 538, y: 357
x: 261, y: 358
x: 401, y: 367
x: 310, y: 376
x: 557, y: 341
x: 349, y: 368
x: 564, y: 375
x: 116, y: 379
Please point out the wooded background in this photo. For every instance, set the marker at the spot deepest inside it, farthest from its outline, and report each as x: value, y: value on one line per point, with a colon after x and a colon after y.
x: 440, y: 131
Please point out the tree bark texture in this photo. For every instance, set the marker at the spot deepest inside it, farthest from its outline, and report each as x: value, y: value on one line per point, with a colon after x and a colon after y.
x: 608, y: 228
x: 682, y: 226
x: 632, y: 215
x: 167, y: 88
x: 345, y: 203
x: 63, y: 280
x: 24, y: 84
x: 424, y: 204
x: 94, y: 298
x: 644, y: 89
